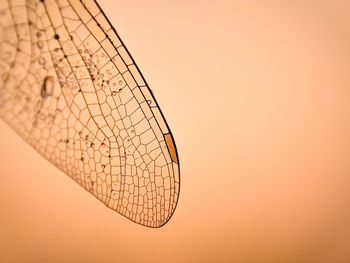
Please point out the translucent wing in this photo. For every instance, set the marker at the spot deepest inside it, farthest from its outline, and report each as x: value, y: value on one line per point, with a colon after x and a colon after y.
x: 69, y: 87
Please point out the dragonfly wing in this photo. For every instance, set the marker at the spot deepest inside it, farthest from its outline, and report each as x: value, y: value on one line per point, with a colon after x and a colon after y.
x: 70, y: 88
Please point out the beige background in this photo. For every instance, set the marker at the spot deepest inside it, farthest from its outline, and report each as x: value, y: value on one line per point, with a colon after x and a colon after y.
x: 257, y: 96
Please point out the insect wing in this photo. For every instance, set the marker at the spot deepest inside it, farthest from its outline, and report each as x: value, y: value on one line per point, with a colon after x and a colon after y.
x: 70, y: 88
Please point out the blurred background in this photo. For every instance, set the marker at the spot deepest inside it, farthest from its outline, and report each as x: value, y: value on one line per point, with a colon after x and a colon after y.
x: 257, y: 96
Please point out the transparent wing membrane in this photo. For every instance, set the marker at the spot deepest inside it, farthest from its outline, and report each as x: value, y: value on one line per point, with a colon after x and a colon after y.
x: 70, y: 88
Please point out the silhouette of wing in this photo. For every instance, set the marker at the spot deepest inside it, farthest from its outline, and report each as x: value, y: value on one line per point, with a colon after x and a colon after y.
x: 69, y: 88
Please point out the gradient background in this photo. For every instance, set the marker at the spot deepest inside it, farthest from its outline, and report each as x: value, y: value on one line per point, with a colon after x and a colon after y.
x: 257, y: 96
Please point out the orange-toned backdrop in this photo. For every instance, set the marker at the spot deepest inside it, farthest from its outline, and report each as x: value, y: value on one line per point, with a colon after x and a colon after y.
x: 257, y: 96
